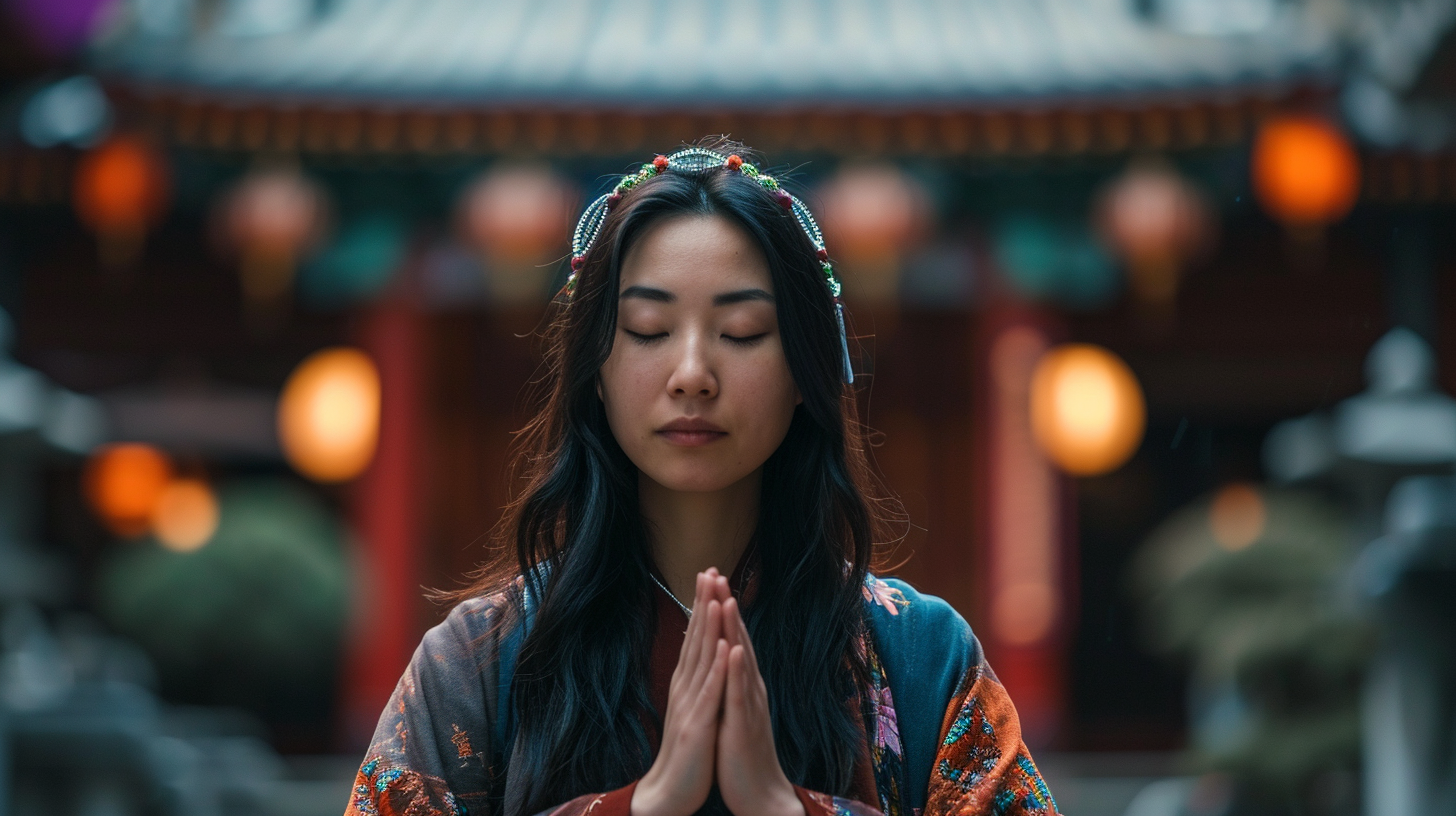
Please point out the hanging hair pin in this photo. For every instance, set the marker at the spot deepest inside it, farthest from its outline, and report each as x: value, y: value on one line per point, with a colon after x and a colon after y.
x: 691, y: 161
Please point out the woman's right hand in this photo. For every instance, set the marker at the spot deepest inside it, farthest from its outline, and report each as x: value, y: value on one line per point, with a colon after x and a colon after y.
x: 681, y: 776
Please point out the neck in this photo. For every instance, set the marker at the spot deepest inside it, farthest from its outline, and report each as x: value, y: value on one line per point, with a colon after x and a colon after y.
x: 691, y: 531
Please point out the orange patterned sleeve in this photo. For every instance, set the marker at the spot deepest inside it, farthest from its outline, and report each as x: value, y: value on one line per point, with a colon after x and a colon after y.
x: 982, y: 765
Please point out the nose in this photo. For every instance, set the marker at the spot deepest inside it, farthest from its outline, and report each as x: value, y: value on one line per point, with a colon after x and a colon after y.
x: 693, y: 375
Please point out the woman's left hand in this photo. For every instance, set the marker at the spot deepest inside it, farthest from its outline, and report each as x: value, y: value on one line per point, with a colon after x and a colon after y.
x: 748, y: 772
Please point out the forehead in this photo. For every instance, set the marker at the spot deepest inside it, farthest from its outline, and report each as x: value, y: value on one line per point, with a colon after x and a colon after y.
x: 695, y: 254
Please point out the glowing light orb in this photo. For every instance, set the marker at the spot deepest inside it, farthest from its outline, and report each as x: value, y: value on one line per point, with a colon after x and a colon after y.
x: 1237, y: 516
x: 1087, y: 409
x: 1305, y: 172
x: 517, y: 213
x: 328, y: 416
x: 185, y: 516
x: 123, y: 482
x: 121, y: 186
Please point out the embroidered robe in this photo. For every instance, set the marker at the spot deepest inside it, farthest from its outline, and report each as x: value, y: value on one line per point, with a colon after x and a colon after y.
x: 941, y: 735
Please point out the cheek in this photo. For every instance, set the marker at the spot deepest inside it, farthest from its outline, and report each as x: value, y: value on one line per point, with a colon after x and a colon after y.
x: 623, y: 384
x: 774, y: 396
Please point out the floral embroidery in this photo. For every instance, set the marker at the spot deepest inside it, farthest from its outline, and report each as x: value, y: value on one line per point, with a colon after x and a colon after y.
x: 877, y: 591
x: 462, y: 743
x: 886, y: 753
x: 385, y: 790
x: 887, y: 727
x: 982, y: 765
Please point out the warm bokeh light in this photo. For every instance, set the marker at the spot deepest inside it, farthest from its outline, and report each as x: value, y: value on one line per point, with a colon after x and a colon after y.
x: 185, y: 516
x: 121, y: 187
x: 871, y: 215
x: 1025, y: 501
x: 1236, y: 516
x: 1306, y: 173
x: 1087, y: 410
x: 517, y: 213
x: 517, y: 217
x: 1155, y: 220
x: 1024, y: 612
x: 272, y: 218
x: 123, y: 482
x: 328, y: 416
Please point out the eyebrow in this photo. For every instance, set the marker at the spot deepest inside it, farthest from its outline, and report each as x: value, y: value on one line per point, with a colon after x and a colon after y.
x: 724, y: 299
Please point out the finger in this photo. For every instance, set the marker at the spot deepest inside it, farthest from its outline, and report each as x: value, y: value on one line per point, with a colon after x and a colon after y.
x: 736, y: 696
x: 708, y: 638
x: 689, y: 647
x: 750, y: 655
x: 702, y: 590
x: 702, y: 654
x: 732, y: 623
x: 756, y: 690
x: 720, y: 588
x: 709, y: 698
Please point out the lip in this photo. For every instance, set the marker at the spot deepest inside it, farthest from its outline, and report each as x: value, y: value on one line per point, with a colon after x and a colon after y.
x: 691, y: 432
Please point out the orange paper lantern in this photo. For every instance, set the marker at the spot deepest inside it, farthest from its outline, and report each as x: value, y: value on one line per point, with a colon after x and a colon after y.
x: 123, y: 482
x: 1305, y: 172
x: 517, y: 214
x: 872, y: 215
x: 272, y: 218
x: 121, y: 189
x: 1155, y: 221
x: 328, y: 416
x: 1087, y: 409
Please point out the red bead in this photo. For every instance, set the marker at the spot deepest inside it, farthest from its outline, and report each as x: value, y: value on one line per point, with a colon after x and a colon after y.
x: 614, y: 199
x: 577, y: 262
x: 786, y: 201
x: 823, y: 254
x: 660, y: 163
x: 734, y: 162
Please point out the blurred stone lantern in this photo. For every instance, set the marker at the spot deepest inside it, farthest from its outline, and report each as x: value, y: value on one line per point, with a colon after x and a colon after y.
x: 516, y: 217
x: 1397, y: 440
x: 1156, y: 222
x: 872, y: 215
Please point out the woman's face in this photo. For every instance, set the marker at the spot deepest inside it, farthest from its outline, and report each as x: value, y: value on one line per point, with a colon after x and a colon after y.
x: 697, y: 388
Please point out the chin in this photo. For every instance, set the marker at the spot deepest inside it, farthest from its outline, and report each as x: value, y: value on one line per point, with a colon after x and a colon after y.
x: 694, y: 479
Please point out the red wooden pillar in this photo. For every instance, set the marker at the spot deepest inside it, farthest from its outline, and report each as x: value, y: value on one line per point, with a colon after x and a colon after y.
x: 1027, y: 562
x: 385, y: 620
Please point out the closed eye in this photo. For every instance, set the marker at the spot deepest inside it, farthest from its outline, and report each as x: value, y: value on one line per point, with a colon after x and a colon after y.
x: 745, y: 341
x: 645, y: 339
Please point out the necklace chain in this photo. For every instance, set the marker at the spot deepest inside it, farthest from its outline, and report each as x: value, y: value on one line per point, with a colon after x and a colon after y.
x: 664, y: 588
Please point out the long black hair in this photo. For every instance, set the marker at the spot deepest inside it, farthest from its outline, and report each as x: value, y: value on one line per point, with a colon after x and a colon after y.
x: 576, y: 534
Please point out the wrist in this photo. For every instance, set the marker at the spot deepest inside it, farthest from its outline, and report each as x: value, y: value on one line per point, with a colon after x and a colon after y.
x: 786, y: 802
x: 645, y: 801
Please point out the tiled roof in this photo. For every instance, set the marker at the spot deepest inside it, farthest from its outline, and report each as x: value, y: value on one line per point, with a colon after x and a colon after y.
x: 671, y: 53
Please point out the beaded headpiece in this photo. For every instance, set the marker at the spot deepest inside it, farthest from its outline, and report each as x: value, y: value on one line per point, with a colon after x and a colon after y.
x: 695, y: 160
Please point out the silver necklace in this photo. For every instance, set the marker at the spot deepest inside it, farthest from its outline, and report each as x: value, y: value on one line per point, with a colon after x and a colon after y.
x: 664, y: 588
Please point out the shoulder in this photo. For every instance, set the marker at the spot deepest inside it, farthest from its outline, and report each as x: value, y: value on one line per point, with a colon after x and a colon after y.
x: 473, y: 631
x: 901, y: 613
x: 926, y: 649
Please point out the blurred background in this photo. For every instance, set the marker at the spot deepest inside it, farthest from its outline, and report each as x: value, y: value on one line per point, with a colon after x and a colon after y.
x: 1154, y: 303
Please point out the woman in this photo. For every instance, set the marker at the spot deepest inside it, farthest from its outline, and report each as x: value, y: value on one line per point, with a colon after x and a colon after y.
x: 688, y: 622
